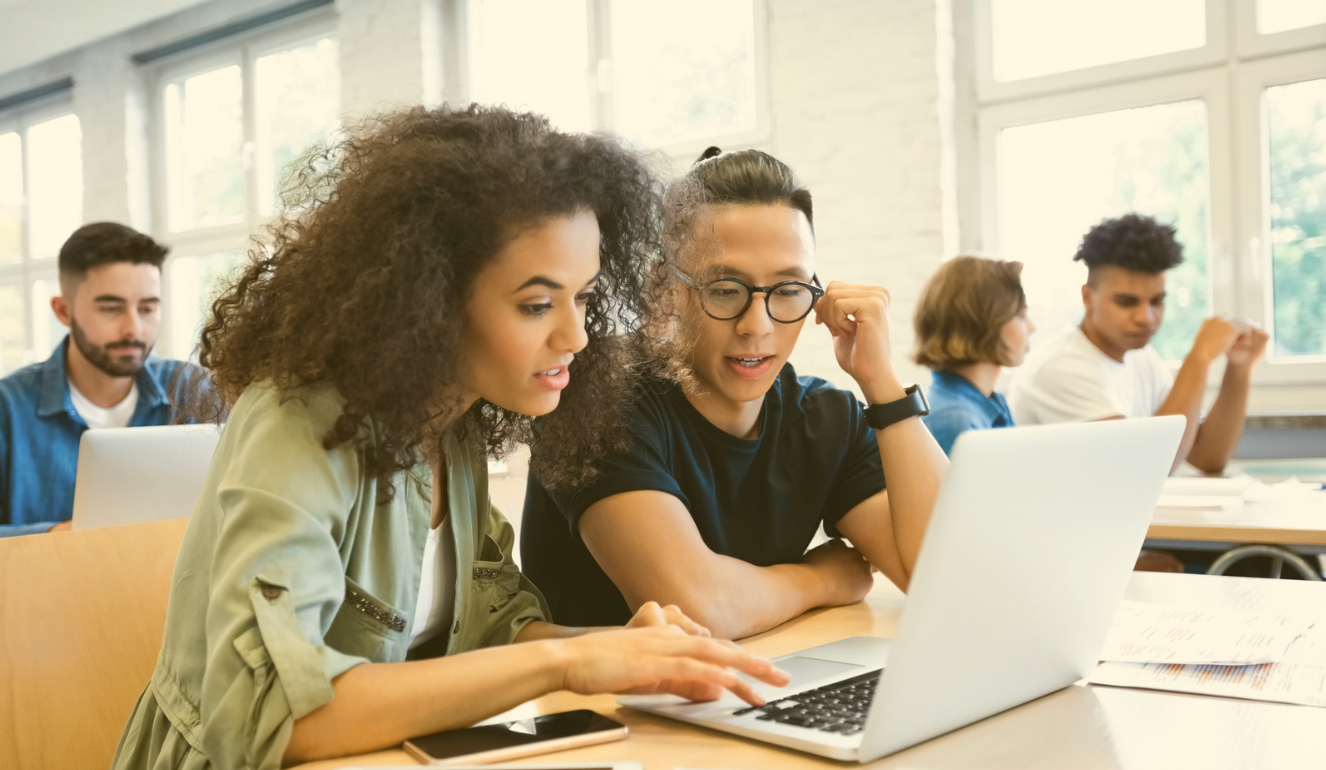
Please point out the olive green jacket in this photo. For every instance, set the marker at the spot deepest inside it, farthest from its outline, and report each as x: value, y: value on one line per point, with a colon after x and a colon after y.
x: 291, y: 573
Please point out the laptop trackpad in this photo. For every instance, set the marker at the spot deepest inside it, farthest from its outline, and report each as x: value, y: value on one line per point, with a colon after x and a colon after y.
x: 807, y: 670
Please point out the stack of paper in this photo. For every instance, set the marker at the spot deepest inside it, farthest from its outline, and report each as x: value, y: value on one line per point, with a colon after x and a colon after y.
x: 1253, y: 655
x: 1182, y: 495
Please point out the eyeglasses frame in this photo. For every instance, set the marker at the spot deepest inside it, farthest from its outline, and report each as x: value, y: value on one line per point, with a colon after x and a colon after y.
x: 816, y: 291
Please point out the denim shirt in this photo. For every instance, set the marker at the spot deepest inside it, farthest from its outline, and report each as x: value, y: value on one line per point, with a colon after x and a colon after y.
x: 956, y: 405
x: 39, y: 435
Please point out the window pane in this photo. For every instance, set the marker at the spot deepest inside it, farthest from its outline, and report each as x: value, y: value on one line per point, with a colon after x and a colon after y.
x: 47, y: 331
x: 1280, y: 15
x: 195, y: 281
x: 683, y: 69
x: 55, y: 184
x: 532, y: 55
x: 204, y: 149
x: 1038, y: 37
x: 1058, y: 179
x: 11, y: 199
x: 12, y: 328
x: 298, y: 103
x: 1296, y: 133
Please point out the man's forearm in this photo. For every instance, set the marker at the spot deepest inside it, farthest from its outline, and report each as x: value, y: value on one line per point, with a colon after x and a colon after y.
x: 1220, y: 431
x: 914, y: 466
x: 735, y: 599
x: 1185, y: 398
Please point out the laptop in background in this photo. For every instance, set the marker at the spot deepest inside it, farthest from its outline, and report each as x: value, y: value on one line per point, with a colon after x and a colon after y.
x: 133, y: 475
x: 1024, y: 562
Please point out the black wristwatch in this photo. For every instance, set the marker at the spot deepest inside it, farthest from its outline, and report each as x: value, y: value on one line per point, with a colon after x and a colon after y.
x: 881, y: 416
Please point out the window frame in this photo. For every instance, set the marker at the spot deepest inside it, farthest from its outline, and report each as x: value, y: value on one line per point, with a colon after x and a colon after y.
x: 1228, y: 74
x: 244, y: 50
x: 30, y: 268
x: 1252, y: 218
x: 599, y: 75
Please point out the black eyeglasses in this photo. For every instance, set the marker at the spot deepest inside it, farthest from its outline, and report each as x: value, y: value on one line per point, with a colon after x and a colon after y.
x: 724, y: 299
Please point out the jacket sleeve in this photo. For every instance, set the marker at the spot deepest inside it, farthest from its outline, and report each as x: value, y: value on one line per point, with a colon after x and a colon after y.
x: 276, y: 583
x: 514, y: 600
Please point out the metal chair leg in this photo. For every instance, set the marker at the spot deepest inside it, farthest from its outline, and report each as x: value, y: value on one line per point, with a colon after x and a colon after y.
x: 1279, y: 557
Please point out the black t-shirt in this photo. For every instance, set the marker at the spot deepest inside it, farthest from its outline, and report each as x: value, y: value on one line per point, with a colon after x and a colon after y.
x: 760, y: 499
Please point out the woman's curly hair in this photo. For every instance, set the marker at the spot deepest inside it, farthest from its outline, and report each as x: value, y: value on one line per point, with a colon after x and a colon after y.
x: 363, y: 284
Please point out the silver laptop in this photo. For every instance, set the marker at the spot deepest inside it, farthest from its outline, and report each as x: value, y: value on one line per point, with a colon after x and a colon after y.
x: 1027, y: 555
x: 133, y: 475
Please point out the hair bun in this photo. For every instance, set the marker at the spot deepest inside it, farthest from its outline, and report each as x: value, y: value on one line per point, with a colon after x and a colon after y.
x: 710, y: 152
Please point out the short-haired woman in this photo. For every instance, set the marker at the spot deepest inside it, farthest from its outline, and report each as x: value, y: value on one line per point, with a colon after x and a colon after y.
x: 971, y: 321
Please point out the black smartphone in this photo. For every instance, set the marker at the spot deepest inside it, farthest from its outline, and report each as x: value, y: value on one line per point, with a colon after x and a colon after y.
x: 512, y: 740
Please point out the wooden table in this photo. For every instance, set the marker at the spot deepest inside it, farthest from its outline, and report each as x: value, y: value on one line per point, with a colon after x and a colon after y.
x: 1297, y: 523
x: 1081, y: 727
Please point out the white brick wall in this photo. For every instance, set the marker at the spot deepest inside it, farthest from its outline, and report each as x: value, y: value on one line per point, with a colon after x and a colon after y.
x: 390, y: 54
x: 856, y: 114
x: 862, y: 94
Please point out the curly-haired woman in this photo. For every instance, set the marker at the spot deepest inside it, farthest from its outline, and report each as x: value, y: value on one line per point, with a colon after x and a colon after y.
x: 344, y: 582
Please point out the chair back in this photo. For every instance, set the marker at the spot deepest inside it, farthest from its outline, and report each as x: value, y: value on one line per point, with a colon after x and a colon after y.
x: 81, y: 617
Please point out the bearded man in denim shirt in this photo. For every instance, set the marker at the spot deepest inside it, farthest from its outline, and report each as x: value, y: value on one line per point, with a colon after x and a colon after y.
x: 102, y: 375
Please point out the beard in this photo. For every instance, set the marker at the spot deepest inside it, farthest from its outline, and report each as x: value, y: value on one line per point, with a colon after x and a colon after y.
x: 103, y: 356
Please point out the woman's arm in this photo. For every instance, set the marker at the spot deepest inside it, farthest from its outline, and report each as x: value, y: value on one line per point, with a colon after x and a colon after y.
x: 381, y: 704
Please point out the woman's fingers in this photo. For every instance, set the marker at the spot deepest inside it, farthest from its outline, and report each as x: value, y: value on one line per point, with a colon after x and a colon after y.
x: 651, y: 614
x: 673, y: 615
x: 696, y: 680
x: 729, y: 655
x: 664, y: 658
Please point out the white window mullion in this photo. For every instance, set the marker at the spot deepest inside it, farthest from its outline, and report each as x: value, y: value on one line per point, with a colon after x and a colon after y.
x: 1253, y: 218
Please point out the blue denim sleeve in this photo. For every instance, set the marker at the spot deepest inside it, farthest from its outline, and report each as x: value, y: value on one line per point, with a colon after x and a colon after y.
x: 14, y: 530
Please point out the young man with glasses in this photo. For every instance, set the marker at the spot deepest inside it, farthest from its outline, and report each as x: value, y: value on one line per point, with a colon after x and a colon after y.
x: 732, y: 468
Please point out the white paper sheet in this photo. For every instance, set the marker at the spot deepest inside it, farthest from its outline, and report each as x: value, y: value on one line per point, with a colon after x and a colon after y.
x: 1299, y: 678
x: 1163, y: 633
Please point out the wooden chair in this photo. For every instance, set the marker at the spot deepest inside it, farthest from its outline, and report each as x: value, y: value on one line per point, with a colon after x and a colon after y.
x: 81, y: 615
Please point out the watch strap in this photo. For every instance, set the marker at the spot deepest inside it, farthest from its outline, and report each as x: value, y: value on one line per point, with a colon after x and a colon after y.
x: 913, y: 404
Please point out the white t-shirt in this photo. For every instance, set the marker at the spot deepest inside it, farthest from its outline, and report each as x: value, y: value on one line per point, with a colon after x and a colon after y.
x: 437, y: 586
x: 1069, y: 379
x: 117, y: 416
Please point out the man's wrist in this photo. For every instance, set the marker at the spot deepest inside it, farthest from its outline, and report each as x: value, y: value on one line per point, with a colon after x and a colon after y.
x: 1199, y: 357
x: 883, y: 390
x: 1238, y: 369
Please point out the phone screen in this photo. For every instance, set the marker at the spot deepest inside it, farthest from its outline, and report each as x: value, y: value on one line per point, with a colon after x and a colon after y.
x: 484, y: 738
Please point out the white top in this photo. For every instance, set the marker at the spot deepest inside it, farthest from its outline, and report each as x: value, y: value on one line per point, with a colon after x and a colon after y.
x: 117, y: 416
x: 1069, y: 379
x: 437, y: 586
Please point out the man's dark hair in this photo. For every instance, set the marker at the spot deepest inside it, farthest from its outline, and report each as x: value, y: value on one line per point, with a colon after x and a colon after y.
x: 750, y: 177
x: 101, y: 243
x: 1133, y: 242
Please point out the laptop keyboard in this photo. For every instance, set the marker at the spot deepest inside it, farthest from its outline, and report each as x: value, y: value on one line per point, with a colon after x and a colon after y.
x: 840, y: 707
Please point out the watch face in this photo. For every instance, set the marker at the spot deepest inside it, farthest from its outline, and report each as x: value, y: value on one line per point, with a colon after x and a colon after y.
x: 920, y: 395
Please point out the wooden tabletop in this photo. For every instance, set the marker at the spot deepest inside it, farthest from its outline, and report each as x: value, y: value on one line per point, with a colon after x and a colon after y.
x: 1083, y: 727
x: 1282, y: 523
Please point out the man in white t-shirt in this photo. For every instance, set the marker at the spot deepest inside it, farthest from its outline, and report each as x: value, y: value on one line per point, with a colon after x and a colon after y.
x: 100, y: 376
x: 1105, y: 369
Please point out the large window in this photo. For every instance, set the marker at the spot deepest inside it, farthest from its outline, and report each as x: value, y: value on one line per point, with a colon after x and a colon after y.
x: 230, y: 123
x: 41, y: 203
x: 1207, y: 114
x: 669, y: 75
